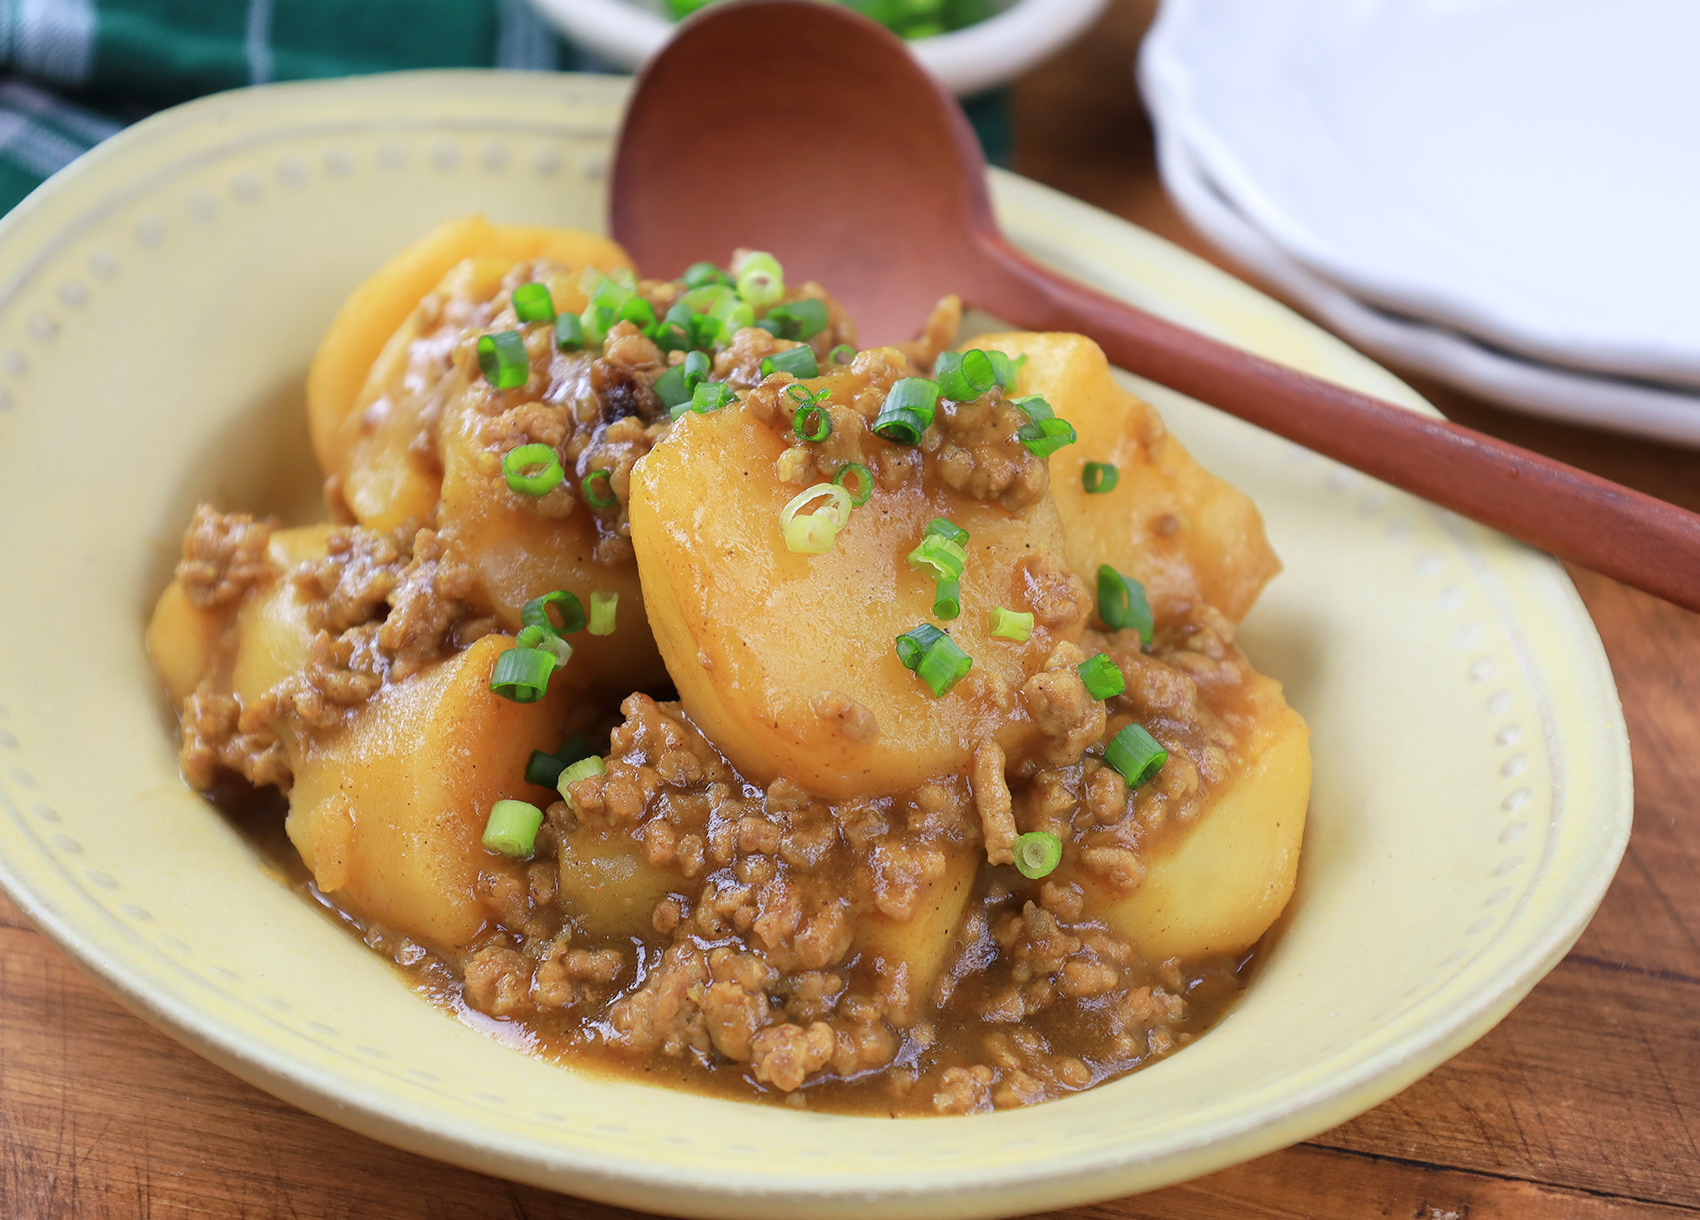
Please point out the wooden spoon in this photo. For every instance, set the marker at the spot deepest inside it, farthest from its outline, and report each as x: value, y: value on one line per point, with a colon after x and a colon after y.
x: 808, y: 130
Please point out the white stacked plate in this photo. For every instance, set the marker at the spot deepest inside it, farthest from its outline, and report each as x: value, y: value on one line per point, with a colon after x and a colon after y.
x: 1501, y: 193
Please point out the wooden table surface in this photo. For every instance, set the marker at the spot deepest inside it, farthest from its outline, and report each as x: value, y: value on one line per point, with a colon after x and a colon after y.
x: 1585, y: 1102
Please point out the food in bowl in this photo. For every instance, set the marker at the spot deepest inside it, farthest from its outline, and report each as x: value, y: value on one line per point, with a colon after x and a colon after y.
x: 728, y: 707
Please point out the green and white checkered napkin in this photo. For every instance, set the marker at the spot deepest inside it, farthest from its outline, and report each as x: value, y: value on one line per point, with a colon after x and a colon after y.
x: 72, y: 72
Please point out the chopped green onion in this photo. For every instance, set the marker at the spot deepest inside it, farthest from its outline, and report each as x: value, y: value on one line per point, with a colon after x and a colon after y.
x: 908, y: 410
x: 504, y: 360
x: 944, y: 556
x: 584, y: 768
x: 536, y: 612
x: 864, y: 481
x: 543, y: 769
x: 532, y: 470
x: 544, y: 639
x: 801, y: 319
x: 1136, y: 754
x: 1103, y: 680
x: 639, y: 312
x: 599, y: 489
x: 912, y: 645
x: 964, y: 376
x: 761, y: 280
x: 671, y: 388
x: 532, y: 303
x: 950, y: 531
x: 704, y: 297
x: 697, y: 367
x: 947, y: 600
x: 711, y: 396
x: 602, y: 609
x: 512, y: 829
x: 522, y: 674
x: 569, y: 333
x: 813, y: 424
x: 675, y: 332
x: 1100, y: 478
x: 1122, y: 603
x: 1011, y: 624
x: 1045, y: 436
x: 844, y: 353
x: 1035, y: 408
x: 798, y: 361
x: 732, y: 315
x: 809, y: 534
x: 1003, y: 370
x: 604, y: 291
x: 701, y: 275
x: 943, y: 666
x: 593, y: 326
x: 1037, y: 854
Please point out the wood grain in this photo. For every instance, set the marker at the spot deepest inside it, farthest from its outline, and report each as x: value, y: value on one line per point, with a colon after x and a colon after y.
x: 1583, y: 1105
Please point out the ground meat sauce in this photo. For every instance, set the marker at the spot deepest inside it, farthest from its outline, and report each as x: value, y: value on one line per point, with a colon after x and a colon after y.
x: 746, y: 978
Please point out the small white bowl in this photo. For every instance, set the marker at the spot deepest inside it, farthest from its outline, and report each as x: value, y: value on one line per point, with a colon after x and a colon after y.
x: 981, y: 56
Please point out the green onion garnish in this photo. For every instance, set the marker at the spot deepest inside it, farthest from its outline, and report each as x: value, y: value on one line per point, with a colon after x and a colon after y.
x: 639, y: 312
x: 522, y: 674
x: 943, y: 666
x: 701, y: 275
x: 711, y: 396
x: 584, y: 768
x: 606, y: 292
x: 671, y: 389
x: 532, y: 470
x: 947, y: 600
x: 675, y: 331
x: 912, y: 645
x: 813, y: 533
x: 503, y: 359
x: 569, y: 333
x: 864, y: 481
x: 812, y: 424
x: 1003, y: 369
x: 1037, y: 854
x: 732, y: 315
x: 545, y: 770
x: 697, y: 367
x: 512, y: 829
x: 1011, y: 624
x: 944, y: 527
x: 544, y: 639
x: 1136, y: 754
x: 908, y: 410
x: 602, y: 609
x: 798, y: 361
x: 801, y: 319
x: 532, y: 303
x: 842, y: 354
x: 593, y: 326
x: 1045, y: 436
x: 944, y: 556
x: 1122, y: 603
x: 1100, y: 478
x: 1103, y: 680
x: 964, y: 376
x: 599, y: 489
x: 536, y: 612
x: 761, y: 280
x: 1035, y: 408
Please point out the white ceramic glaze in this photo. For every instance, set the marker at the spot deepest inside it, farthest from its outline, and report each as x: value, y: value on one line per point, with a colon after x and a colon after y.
x: 159, y: 302
x: 1521, y: 170
x: 1538, y: 389
x: 982, y: 56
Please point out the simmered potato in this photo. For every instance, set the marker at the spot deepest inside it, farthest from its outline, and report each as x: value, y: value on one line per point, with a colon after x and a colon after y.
x: 381, y: 316
x: 1219, y: 885
x: 607, y: 885
x: 520, y: 554
x: 773, y: 652
x: 918, y: 947
x: 388, y: 811
x: 182, y: 641
x: 272, y: 631
x: 1169, y: 522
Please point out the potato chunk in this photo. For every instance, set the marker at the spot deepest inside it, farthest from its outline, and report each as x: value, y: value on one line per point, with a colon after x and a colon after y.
x: 912, y: 952
x: 1218, y: 886
x: 388, y: 811
x: 380, y: 318
x: 787, y: 661
x: 607, y: 885
x: 1169, y: 523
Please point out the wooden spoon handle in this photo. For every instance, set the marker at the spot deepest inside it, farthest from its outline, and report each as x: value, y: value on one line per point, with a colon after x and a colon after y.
x: 1597, y: 523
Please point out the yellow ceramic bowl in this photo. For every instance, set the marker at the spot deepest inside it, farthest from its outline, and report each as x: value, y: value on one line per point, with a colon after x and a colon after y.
x: 159, y: 301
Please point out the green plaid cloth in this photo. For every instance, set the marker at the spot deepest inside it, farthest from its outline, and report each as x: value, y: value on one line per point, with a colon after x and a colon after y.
x: 72, y: 72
